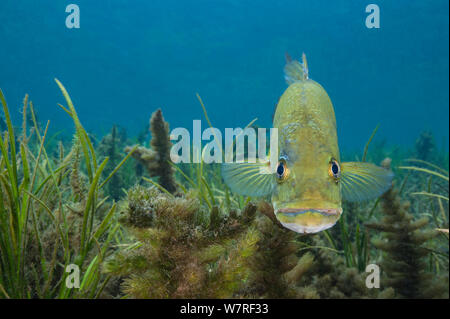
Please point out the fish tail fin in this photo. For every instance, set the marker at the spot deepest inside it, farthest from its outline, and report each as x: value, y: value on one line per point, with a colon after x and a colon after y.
x: 295, y: 71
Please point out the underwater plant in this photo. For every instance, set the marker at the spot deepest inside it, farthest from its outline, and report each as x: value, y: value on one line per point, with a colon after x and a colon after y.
x: 110, y: 146
x: 3, y: 126
x: 330, y: 277
x: 429, y: 188
x: 403, y: 242
x: 156, y: 160
x: 425, y: 146
x: 183, y: 250
x: 52, y: 214
x: 58, y: 208
x: 138, y: 167
x: 288, y: 265
x: 160, y: 142
x: 275, y: 266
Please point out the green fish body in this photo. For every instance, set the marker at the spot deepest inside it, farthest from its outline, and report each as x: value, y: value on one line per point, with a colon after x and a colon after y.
x: 310, y: 181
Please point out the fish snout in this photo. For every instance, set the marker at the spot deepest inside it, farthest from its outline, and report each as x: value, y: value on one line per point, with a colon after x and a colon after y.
x: 308, y: 220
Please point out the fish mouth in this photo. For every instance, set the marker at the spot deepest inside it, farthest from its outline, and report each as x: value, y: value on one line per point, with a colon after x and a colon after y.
x: 308, y: 220
x: 299, y: 211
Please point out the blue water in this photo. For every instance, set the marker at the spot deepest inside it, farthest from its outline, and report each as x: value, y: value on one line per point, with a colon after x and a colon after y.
x: 130, y: 57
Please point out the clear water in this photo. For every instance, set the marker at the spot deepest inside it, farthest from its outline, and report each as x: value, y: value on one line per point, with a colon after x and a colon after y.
x: 130, y: 57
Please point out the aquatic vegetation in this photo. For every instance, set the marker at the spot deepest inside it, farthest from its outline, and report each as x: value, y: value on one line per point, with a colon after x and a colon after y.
x: 275, y: 267
x: 429, y: 195
x: 161, y: 144
x: 111, y: 146
x: 330, y: 277
x: 52, y: 215
x: 3, y: 126
x: 351, y: 237
x: 425, y: 146
x: 188, y: 235
x: 183, y: 250
x: 404, y: 242
x: 157, y: 159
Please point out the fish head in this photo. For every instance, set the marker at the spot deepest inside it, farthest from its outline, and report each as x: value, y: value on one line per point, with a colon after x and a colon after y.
x: 307, y: 197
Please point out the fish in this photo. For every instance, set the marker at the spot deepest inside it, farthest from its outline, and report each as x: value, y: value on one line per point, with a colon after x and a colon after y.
x: 310, y: 182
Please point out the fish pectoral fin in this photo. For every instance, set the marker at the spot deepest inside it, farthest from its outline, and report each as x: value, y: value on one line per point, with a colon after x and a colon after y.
x: 362, y: 181
x: 249, y: 179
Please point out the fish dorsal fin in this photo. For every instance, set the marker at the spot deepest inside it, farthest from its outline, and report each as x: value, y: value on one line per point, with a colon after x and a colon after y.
x: 364, y: 181
x: 249, y: 179
x: 295, y: 71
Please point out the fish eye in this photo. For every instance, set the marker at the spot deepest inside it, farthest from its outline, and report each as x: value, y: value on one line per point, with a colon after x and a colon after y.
x: 334, y: 170
x: 282, y: 170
